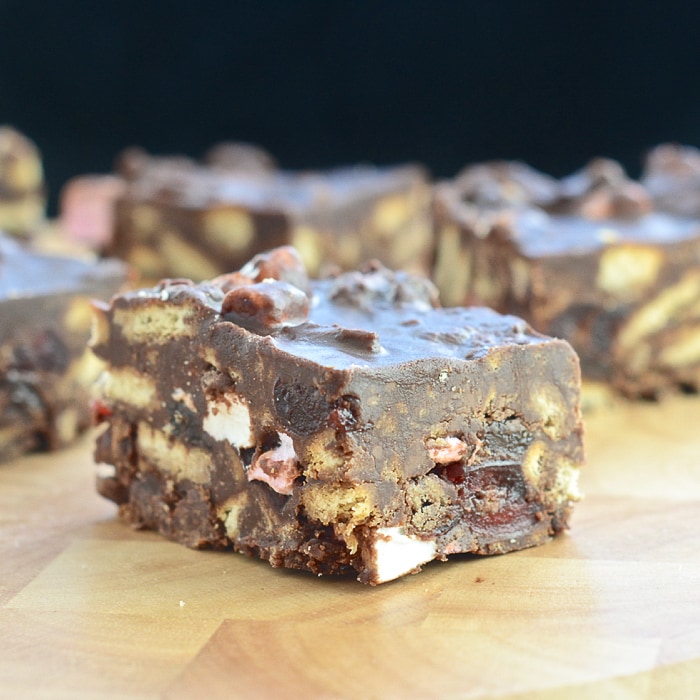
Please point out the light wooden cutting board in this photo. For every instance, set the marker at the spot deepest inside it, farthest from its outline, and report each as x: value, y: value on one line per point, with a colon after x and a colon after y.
x: 92, y: 609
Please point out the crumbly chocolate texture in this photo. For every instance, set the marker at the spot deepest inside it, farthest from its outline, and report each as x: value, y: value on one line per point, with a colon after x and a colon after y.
x: 46, y: 370
x: 596, y: 264
x: 366, y: 432
x: 181, y: 218
x: 22, y: 187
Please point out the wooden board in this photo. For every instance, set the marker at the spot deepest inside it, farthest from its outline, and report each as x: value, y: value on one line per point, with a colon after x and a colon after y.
x: 92, y: 609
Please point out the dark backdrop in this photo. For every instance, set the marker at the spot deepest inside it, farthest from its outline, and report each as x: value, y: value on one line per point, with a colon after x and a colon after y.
x: 319, y: 82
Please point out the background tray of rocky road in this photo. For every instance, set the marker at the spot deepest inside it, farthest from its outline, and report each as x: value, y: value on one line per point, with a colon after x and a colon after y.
x: 91, y: 609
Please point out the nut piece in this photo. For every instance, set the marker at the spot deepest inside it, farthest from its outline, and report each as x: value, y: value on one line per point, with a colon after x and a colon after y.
x: 283, y: 264
x: 266, y: 306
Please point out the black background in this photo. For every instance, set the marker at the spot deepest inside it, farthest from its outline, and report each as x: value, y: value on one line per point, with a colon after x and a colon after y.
x: 320, y: 83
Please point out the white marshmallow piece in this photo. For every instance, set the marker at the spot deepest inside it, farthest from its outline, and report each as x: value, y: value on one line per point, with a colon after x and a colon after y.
x: 396, y: 553
x: 229, y: 419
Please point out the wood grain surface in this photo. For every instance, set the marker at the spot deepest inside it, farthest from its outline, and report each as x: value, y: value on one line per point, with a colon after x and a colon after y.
x: 91, y: 609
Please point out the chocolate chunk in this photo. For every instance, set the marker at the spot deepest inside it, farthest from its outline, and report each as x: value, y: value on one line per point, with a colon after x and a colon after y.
x: 266, y: 306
